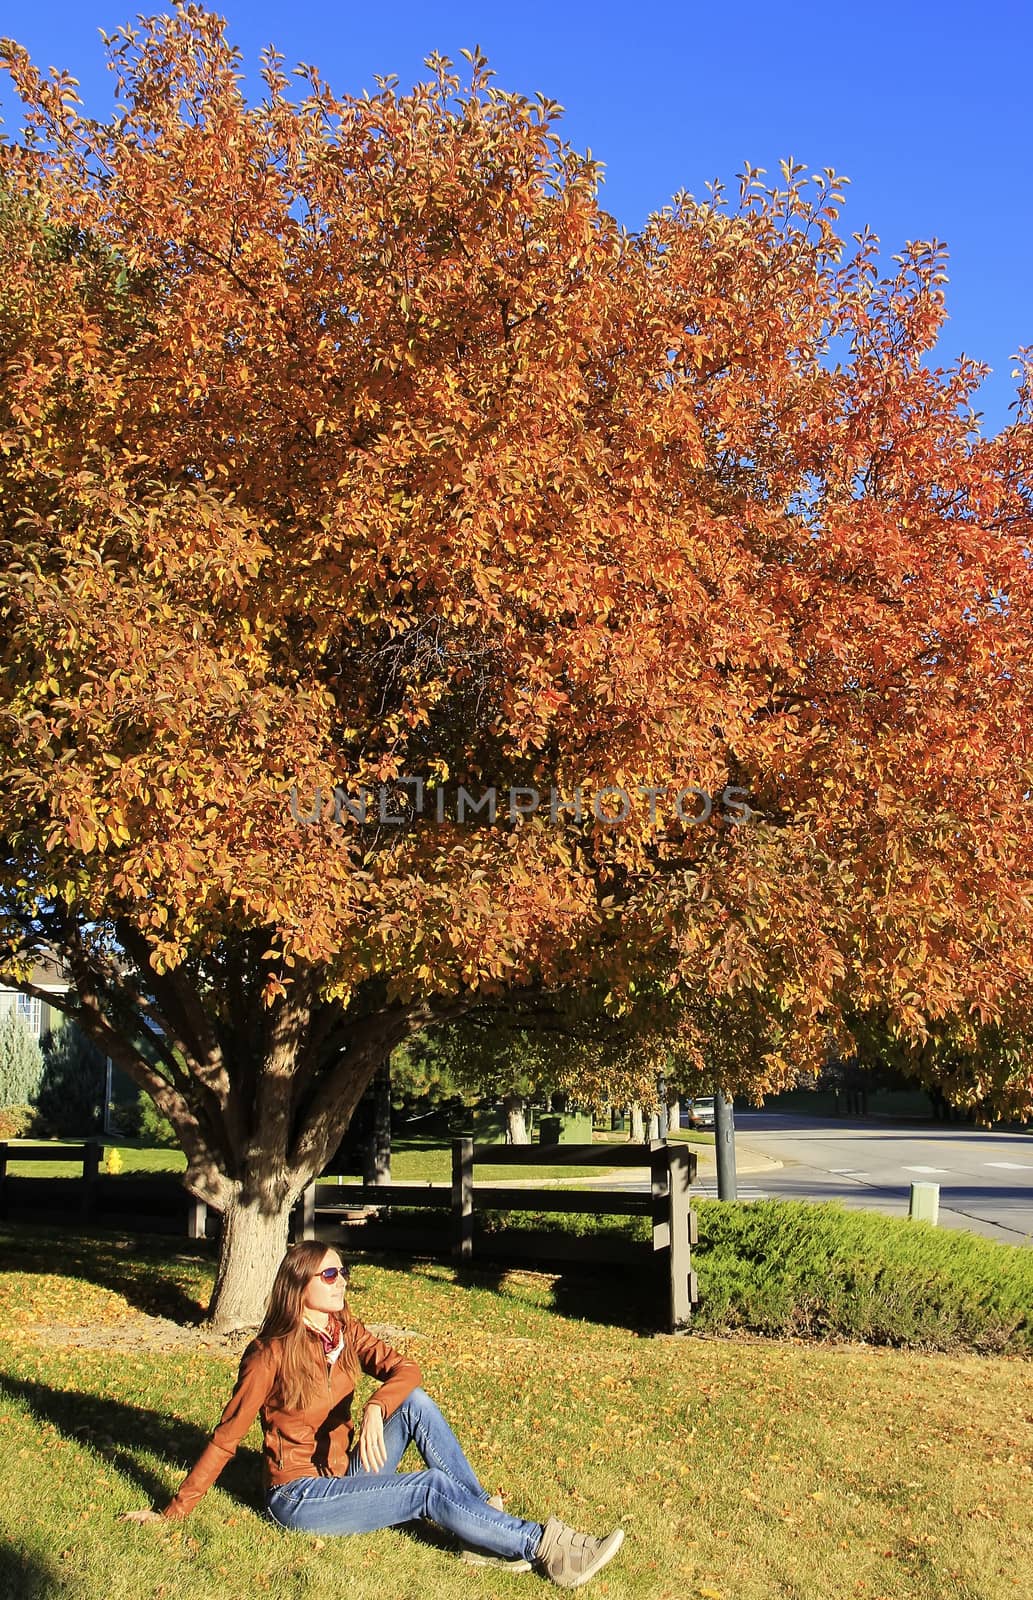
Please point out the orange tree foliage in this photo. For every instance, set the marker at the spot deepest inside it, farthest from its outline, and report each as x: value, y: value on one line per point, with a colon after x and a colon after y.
x: 347, y: 439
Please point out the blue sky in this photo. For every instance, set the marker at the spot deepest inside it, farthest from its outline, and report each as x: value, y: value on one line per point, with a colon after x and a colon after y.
x: 920, y: 104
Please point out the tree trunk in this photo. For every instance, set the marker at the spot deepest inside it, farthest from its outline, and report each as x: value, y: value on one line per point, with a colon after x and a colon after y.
x: 674, y: 1115
x: 377, y: 1158
x: 259, y: 1094
x: 638, y: 1131
x: 516, y: 1125
x: 254, y: 1239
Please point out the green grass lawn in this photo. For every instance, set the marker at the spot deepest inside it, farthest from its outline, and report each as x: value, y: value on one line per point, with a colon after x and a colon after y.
x: 134, y: 1158
x: 741, y: 1469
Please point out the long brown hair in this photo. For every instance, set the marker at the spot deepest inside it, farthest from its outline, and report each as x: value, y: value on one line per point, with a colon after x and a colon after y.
x: 301, y: 1366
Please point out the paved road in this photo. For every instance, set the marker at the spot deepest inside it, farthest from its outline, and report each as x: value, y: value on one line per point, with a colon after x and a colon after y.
x: 985, y: 1178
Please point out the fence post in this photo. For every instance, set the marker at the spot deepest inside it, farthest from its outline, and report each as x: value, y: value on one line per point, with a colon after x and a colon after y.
x: 197, y: 1218
x: 462, y: 1198
x: 308, y: 1211
x: 91, y: 1154
x: 682, y: 1278
x: 925, y: 1202
x: 3, y: 1178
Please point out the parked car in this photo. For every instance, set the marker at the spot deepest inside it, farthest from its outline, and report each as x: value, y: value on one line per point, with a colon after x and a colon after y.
x: 701, y: 1111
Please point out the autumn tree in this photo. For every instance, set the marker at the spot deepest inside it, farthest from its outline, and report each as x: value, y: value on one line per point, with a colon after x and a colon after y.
x: 355, y: 467
x: 587, y: 1045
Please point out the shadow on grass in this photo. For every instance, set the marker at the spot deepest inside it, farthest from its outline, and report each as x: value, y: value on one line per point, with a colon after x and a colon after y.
x: 140, y: 1267
x: 612, y: 1296
x: 111, y: 1428
x: 24, y: 1576
x: 114, y: 1430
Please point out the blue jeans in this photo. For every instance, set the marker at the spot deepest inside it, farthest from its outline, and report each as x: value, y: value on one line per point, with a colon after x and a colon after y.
x: 447, y: 1492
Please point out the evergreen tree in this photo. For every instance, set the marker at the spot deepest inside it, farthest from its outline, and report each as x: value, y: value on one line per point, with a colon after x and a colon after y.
x: 21, y: 1061
x: 70, y: 1097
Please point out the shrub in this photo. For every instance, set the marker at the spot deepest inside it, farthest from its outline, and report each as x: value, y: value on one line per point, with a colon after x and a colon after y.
x: 70, y: 1097
x: 16, y: 1121
x: 791, y: 1268
x: 141, y: 1119
x: 151, y: 1126
x: 21, y: 1060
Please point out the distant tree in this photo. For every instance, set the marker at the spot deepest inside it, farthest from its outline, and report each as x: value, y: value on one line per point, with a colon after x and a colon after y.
x: 145, y: 1121
x: 971, y: 1069
x: 501, y: 1063
x: 422, y: 1078
x: 21, y: 1060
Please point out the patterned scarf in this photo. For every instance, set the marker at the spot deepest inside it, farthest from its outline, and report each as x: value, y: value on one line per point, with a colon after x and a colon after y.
x: 332, y: 1338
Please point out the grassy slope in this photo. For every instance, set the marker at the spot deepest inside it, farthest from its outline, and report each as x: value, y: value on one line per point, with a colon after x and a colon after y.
x: 742, y: 1469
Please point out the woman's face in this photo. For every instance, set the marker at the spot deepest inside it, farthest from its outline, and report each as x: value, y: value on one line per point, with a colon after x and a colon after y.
x: 321, y: 1296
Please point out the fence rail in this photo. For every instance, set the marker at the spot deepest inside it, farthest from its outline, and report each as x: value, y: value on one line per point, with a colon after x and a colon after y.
x: 89, y: 1154
x: 158, y: 1202
x: 323, y: 1210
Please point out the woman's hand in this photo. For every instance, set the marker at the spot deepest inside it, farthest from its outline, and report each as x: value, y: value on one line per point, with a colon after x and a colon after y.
x: 141, y: 1516
x: 372, y: 1452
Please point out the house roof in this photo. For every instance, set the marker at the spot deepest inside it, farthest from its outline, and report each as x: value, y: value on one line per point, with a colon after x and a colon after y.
x: 48, y: 973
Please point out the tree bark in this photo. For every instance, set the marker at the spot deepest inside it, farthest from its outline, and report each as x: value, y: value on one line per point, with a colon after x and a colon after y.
x: 516, y: 1123
x: 638, y: 1130
x: 254, y: 1239
x: 377, y: 1155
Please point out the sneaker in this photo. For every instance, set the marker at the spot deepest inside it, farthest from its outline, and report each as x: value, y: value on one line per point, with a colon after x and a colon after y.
x: 570, y: 1558
x: 483, y: 1558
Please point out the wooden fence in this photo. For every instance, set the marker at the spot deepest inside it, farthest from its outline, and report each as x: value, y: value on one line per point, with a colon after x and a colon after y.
x: 145, y: 1202
x: 328, y: 1210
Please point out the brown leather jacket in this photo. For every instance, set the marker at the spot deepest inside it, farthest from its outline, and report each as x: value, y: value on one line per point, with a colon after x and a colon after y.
x: 309, y: 1443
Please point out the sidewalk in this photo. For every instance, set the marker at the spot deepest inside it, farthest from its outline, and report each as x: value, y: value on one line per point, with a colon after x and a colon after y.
x: 746, y: 1159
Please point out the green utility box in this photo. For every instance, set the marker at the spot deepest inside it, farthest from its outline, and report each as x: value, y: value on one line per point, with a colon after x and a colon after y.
x: 565, y: 1127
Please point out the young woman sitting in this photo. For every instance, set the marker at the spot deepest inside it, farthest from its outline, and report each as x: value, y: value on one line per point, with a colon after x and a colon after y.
x: 299, y: 1374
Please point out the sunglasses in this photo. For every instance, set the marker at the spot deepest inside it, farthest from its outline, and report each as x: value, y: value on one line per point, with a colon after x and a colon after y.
x: 331, y: 1274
